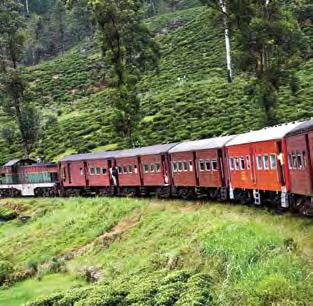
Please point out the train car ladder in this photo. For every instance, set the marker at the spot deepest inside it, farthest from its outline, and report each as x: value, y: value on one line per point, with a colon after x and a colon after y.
x: 257, y: 197
x: 284, y: 197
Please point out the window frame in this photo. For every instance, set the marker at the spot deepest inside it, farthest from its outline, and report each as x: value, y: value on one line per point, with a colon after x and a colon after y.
x: 174, y: 166
x: 237, y: 165
x: 266, y: 166
x: 180, y: 166
x: 91, y: 170
x: 152, y: 168
x: 242, y: 160
x: 259, y: 162
x: 98, y: 170
x: 248, y: 162
x: 157, y: 167
x: 104, y: 171
x: 273, y: 155
x: 206, y: 163
x: 214, y: 162
x: 185, y: 166
x: 201, y: 162
x: 130, y: 169
x: 231, y: 163
x: 146, y: 168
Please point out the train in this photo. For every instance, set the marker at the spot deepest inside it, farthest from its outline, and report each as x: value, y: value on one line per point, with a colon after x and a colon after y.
x: 272, y: 166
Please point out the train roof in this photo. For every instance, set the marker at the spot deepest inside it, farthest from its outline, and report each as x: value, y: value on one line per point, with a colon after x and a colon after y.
x: 150, y: 150
x: 304, y: 127
x: 90, y: 156
x: 17, y: 161
x: 203, y: 144
x: 268, y: 133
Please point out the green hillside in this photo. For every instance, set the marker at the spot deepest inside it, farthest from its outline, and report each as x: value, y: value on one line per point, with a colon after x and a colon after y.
x: 123, y: 251
x: 188, y: 98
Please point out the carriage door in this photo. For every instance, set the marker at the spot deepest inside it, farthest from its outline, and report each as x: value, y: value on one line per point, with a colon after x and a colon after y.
x: 280, y: 165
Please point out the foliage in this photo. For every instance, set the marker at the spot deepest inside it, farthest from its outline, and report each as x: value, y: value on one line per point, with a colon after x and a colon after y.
x: 7, y: 214
x: 15, y: 102
x: 129, y: 51
x: 5, y: 269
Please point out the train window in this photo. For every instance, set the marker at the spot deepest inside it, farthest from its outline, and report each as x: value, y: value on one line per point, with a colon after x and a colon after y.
x: 201, y: 165
x: 135, y: 169
x: 208, y: 165
x: 180, y: 166
x: 81, y: 171
x: 248, y: 162
x: 130, y: 169
x: 98, y: 171
x: 294, y: 160
x: 104, y: 171
x: 259, y: 162
x: 120, y: 170
x: 92, y: 171
x: 185, y: 164
x: 242, y: 163
x: 231, y: 163
x: 152, y: 168
x: 266, y: 162
x: 125, y: 169
x: 236, y: 163
x: 214, y: 164
x: 174, y: 166
x: 146, y: 168
x: 190, y: 166
x: 299, y: 161
x: 273, y: 161
x: 158, y: 167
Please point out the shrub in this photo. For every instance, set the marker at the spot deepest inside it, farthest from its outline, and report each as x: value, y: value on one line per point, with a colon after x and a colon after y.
x: 5, y: 269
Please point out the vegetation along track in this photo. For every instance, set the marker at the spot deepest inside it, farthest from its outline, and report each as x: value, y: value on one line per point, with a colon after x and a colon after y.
x: 131, y: 250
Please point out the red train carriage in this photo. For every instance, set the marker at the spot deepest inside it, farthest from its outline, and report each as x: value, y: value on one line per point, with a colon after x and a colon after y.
x: 87, y: 173
x: 197, y: 166
x: 145, y: 170
x: 258, y: 166
x: 299, y: 144
x: 26, y: 177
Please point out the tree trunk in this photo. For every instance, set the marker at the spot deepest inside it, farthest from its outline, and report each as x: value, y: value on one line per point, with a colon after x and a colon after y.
x: 227, y: 41
x: 27, y: 7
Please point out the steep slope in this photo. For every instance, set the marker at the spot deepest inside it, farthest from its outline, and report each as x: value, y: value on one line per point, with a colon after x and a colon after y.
x: 143, y: 251
x: 188, y: 98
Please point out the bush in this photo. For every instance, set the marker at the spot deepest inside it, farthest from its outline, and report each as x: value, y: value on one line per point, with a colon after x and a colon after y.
x: 7, y: 214
x: 5, y: 269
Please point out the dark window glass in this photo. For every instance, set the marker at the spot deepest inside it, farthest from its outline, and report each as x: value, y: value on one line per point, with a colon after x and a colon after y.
x: 201, y: 165
x: 214, y: 164
x: 185, y: 166
x: 146, y: 167
x: 158, y: 167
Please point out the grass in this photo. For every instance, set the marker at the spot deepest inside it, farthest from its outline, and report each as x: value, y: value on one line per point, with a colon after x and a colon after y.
x: 33, y: 288
x: 159, y: 252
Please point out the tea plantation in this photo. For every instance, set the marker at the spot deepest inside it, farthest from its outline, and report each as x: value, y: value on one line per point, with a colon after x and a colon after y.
x: 188, y: 98
x: 103, y: 251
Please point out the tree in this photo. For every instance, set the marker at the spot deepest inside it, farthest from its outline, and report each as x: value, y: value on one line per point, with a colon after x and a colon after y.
x: 128, y: 50
x: 16, y: 102
x: 221, y: 6
x: 270, y: 45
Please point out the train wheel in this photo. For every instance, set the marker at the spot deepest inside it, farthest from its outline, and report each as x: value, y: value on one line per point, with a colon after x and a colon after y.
x: 163, y: 192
